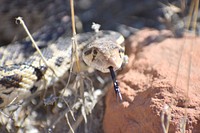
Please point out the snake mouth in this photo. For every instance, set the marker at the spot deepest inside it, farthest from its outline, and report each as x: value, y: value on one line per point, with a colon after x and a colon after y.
x: 114, y: 63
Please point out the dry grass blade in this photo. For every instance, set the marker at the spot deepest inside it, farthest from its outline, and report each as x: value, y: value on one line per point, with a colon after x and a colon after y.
x: 74, y: 40
x: 193, y: 13
x: 166, y: 118
x: 34, y: 43
x: 67, y: 119
x: 191, y: 23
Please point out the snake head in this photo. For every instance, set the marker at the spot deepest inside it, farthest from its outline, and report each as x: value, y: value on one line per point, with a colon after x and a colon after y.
x: 102, y: 54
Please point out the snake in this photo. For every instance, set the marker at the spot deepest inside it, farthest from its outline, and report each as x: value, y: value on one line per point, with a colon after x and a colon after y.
x: 22, y: 77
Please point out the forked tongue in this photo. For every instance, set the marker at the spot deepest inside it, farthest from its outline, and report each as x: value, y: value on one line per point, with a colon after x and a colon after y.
x: 115, y: 83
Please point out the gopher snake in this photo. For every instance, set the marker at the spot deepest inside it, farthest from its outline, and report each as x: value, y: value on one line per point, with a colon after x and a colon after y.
x: 100, y: 50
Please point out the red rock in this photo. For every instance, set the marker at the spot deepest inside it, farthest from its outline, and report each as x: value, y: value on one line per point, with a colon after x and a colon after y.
x: 148, y: 84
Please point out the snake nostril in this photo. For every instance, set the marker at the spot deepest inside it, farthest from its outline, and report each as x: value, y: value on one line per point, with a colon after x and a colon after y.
x: 88, y: 52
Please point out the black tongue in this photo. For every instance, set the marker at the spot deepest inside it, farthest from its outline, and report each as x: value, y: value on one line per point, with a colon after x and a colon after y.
x: 116, y: 86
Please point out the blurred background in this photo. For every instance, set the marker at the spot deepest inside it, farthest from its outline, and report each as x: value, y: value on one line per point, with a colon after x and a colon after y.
x: 125, y: 16
x: 49, y: 19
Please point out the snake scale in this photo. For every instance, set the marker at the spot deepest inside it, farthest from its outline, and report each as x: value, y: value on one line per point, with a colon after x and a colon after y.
x: 23, y: 72
x: 24, y: 77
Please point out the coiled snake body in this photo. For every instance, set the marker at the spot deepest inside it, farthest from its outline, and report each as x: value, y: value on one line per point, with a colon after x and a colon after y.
x: 27, y: 76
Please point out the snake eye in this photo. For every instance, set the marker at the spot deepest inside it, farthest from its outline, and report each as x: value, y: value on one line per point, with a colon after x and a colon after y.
x: 88, y: 52
x: 94, y: 54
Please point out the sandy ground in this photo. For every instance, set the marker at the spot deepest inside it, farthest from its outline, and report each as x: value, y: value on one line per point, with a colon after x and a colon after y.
x: 151, y: 85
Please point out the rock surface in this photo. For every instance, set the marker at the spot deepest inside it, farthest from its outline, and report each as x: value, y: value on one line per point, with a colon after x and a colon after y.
x: 150, y: 85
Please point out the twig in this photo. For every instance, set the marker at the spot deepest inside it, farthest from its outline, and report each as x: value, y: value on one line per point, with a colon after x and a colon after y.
x: 34, y: 43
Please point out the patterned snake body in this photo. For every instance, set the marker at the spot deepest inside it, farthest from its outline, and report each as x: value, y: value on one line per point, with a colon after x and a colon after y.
x: 28, y: 76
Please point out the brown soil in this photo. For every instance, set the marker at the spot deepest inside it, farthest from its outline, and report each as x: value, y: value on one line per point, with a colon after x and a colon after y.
x: 150, y: 82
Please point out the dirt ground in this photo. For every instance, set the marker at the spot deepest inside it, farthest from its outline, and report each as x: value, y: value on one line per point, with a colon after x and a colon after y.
x: 152, y: 85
